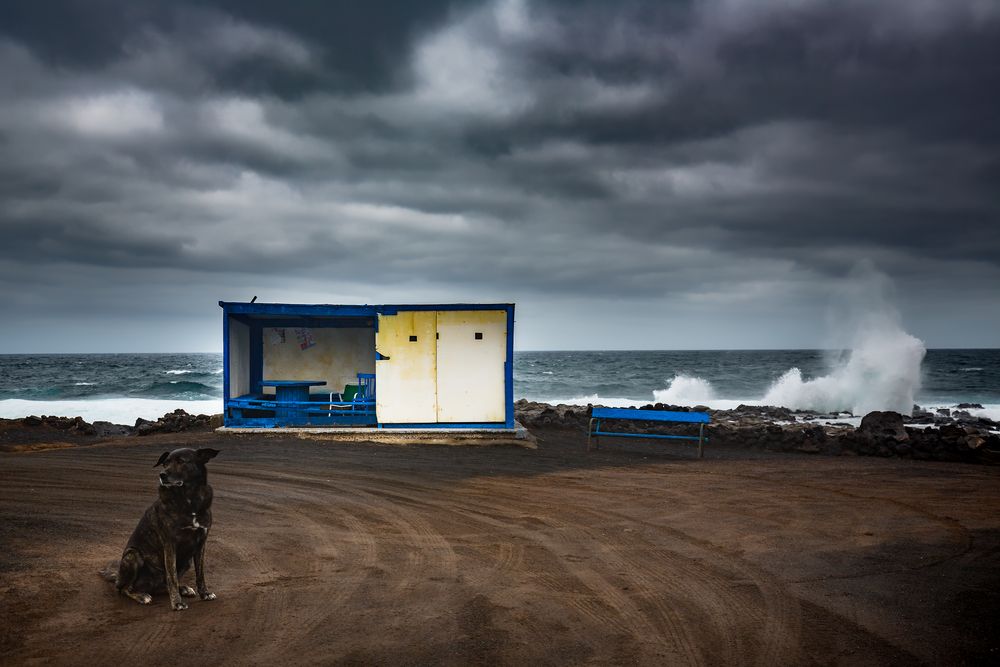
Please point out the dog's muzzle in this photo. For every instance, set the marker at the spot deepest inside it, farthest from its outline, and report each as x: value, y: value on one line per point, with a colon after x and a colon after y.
x: 166, y: 481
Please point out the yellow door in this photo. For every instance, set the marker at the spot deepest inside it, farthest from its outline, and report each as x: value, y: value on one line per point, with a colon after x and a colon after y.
x: 406, y: 381
x: 471, y: 350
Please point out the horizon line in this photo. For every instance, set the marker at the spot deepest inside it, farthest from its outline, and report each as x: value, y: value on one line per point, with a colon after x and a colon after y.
x: 650, y: 349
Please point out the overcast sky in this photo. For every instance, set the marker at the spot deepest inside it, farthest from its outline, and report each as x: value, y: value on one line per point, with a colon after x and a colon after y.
x: 662, y: 175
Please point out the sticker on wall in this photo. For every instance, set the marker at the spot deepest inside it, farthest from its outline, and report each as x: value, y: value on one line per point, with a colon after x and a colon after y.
x: 277, y: 336
x: 306, y: 339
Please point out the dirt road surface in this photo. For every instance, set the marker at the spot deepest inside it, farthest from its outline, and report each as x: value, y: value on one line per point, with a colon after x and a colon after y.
x: 326, y: 553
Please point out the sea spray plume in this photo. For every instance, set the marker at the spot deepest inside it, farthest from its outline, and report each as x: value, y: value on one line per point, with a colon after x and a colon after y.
x: 880, y: 370
x: 685, y: 390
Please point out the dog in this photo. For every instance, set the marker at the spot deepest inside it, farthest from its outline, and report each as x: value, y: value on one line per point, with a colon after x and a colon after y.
x: 171, y: 534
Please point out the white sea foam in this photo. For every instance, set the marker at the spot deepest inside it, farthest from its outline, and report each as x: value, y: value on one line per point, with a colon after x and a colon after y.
x: 115, y: 410
x: 881, y: 370
x: 881, y: 373
x: 178, y: 372
x: 594, y: 399
x: 989, y: 410
x: 685, y: 390
x: 619, y: 402
x: 84, y: 384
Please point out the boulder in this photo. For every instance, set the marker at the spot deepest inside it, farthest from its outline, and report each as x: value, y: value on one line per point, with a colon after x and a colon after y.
x: 531, y: 413
x: 886, y: 425
x: 107, y: 429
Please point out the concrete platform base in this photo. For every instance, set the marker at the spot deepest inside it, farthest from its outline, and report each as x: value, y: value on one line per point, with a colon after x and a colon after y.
x: 518, y: 435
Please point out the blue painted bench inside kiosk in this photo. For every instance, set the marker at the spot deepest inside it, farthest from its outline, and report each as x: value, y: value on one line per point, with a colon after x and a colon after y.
x: 598, y: 415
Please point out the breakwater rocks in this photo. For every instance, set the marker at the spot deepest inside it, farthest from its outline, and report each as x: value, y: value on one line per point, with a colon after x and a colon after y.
x: 958, y: 436
x: 175, y: 422
x: 33, y: 429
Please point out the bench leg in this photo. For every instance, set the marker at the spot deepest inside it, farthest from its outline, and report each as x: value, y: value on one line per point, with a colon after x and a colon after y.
x: 701, y: 439
x: 590, y: 432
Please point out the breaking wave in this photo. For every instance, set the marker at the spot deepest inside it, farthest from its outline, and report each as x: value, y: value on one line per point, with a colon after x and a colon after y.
x: 881, y: 369
x: 882, y: 374
x: 684, y: 390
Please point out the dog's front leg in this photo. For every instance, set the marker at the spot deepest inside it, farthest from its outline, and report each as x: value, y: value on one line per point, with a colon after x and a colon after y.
x: 199, y: 571
x: 170, y: 568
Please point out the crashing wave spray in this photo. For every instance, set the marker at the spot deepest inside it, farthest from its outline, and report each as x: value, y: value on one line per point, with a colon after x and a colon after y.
x: 685, y: 390
x: 880, y: 371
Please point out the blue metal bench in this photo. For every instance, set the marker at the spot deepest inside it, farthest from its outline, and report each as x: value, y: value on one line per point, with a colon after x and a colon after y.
x: 600, y: 414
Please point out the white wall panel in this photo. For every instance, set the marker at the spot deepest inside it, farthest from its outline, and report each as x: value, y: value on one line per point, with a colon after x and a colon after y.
x: 406, y: 382
x: 470, y: 370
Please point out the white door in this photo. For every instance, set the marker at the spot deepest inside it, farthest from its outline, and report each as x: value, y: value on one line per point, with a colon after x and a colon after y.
x: 471, y: 350
x: 406, y: 382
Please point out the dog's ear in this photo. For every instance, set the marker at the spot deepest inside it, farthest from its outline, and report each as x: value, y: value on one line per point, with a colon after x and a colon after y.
x: 205, y: 455
x: 163, y: 458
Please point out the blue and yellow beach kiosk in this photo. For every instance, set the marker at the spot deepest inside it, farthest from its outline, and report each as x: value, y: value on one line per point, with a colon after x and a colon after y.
x: 394, y: 366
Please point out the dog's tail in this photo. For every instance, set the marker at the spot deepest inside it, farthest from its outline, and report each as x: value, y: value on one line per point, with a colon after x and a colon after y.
x: 110, y: 572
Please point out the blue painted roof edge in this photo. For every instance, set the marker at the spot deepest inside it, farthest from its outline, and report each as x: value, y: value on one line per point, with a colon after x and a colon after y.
x: 358, y: 310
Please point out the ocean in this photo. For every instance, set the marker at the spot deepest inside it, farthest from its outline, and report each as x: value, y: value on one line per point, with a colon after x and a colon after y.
x: 122, y: 387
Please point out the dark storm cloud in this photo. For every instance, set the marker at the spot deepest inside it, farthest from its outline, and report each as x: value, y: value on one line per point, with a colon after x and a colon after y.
x: 362, y: 43
x: 675, y: 153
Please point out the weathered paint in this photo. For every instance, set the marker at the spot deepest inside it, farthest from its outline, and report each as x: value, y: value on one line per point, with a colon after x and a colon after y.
x: 337, y: 357
x: 407, y: 375
x: 239, y: 359
x: 509, y: 368
x: 419, y: 380
x: 470, y: 371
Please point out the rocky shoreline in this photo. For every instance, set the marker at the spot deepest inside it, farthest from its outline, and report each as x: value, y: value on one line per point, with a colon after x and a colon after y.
x: 952, y: 435
x: 947, y: 435
x: 23, y: 433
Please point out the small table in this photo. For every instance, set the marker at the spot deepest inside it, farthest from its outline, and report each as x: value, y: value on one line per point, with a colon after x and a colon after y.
x: 290, y: 391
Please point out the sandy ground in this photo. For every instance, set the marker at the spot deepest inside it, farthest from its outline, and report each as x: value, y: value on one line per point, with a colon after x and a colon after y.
x: 636, y: 554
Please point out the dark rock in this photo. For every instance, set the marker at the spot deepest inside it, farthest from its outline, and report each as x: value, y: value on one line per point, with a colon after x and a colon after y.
x: 80, y: 426
x: 107, y: 429
x: 944, y: 412
x: 174, y: 422
x: 974, y: 441
x: 969, y: 406
x: 883, y: 426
